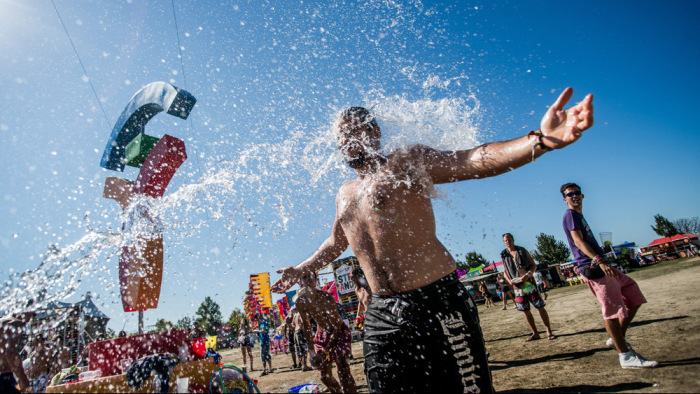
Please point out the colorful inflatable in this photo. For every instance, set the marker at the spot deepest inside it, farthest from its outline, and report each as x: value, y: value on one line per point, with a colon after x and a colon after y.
x: 141, y: 265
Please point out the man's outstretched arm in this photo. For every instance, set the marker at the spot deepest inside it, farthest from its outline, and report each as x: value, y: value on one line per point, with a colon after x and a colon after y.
x: 329, y: 250
x: 558, y: 129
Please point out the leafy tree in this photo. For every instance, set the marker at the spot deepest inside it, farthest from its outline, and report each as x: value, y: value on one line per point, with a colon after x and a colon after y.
x: 685, y: 225
x: 475, y: 259
x: 184, y: 324
x: 209, y: 316
x: 549, y: 251
x: 664, y: 227
x: 163, y: 325
x: 235, y: 319
x: 462, y: 265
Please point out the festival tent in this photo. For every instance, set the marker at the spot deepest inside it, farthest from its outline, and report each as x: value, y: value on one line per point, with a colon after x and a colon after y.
x: 494, y: 266
x: 675, y: 246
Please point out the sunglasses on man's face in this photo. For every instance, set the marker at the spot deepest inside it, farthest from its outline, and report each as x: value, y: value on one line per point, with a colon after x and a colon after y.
x: 572, y: 194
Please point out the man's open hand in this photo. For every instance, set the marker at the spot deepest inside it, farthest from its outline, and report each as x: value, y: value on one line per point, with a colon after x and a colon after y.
x: 290, y: 276
x: 562, y: 127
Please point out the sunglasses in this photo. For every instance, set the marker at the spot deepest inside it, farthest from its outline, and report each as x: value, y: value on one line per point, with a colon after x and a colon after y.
x: 572, y: 194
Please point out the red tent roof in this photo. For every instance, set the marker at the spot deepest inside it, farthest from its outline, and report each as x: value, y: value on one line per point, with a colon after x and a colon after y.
x: 672, y: 238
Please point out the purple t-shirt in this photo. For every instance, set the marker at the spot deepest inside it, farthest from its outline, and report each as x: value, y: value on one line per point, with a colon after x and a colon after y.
x: 575, y: 221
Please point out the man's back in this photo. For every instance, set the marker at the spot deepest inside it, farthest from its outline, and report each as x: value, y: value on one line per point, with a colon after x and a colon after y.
x: 320, y: 307
x: 389, y: 222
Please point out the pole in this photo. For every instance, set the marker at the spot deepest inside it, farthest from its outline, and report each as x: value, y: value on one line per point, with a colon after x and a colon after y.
x: 140, y: 322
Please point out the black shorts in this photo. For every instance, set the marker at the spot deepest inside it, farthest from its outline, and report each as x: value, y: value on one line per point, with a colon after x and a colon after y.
x: 290, y: 342
x: 426, y: 340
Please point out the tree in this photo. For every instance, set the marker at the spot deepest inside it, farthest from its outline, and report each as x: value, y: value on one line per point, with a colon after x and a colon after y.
x: 664, y: 227
x: 475, y: 259
x: 685, y: 225
x: 549, y: 251
x: 163, y: 325
x: 184, y: 324
x: 235, y: 319
x: 209, y: 316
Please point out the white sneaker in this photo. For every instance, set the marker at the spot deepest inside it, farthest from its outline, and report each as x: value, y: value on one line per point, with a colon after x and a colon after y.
x: 609, y: 343
x: 636, y: 361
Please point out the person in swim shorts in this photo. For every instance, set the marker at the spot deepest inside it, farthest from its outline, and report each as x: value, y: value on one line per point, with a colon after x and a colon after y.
x: 618, y: 294
x: 386, y: 217
x: 331, y: 344
x: 519, y: 268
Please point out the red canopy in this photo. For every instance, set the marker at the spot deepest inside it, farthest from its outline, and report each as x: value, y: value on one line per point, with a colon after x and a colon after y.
x: 672, y: 238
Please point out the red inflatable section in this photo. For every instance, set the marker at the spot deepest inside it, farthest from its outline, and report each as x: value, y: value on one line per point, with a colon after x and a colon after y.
x: 107, y: 356
x: 160, y: 166
x: 141, y: 274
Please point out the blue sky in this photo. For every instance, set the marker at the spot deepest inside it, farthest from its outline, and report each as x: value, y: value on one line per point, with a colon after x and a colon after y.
x: 269, y: 77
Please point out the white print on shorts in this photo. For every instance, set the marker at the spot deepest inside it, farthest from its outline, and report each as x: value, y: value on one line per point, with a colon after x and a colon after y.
x: 456, y: 332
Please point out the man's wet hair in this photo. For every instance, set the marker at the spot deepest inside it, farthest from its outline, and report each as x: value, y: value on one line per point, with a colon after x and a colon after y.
x: 568, y: 185
x: 504, y: 235
x: 362, y: 114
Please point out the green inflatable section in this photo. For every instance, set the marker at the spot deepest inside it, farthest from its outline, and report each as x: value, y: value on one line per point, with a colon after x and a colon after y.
x: 138, y: 149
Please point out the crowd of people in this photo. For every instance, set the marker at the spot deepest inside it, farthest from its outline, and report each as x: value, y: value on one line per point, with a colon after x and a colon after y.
x: 421, y: 327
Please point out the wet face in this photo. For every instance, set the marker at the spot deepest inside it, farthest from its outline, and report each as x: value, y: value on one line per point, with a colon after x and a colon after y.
x: 357, y: 141
x: 573, y: 197
x: 508, y: 240
x: 308, y: 281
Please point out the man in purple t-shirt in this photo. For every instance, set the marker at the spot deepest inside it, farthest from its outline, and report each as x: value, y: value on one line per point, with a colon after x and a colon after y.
x: 617, y: 293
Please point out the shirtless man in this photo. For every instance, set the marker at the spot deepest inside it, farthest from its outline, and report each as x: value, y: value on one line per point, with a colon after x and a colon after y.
x: 40, y: 363
x: 332, y: 340
x: 421, y: 331
x: 11, y: 328
x: 364, y: 296
x: 300, y: 344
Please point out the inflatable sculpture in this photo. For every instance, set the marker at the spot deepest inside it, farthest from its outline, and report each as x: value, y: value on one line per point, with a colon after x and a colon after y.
x: 141, y: 264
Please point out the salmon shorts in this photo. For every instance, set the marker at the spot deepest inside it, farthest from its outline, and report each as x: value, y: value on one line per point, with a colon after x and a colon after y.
x: 616, y: 294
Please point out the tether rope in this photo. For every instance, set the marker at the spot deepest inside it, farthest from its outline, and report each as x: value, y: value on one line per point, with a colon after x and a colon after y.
x: 99, y: 103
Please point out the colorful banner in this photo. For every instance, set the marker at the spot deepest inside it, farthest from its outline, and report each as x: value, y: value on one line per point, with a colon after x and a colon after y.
x: 283, y: 306
x: 261, y: 289
x: 342, y: 269
x: 331, y: 289
x: 290, y: 297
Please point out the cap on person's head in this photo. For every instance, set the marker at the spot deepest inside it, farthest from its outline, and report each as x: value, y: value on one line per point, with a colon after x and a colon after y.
x: 566, y: 186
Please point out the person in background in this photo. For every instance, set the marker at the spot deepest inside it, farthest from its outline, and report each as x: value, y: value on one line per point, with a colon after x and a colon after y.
x: 518, y: 268
x: 617, y: 293
x: 332, y: 341
x: 245, y: 342
x: 505, y: 290
x: 264, y: 335
x: 11, y: 328
x: 40, y: 363
x: 488, y: 297
x: 539, y: 281
x: 60, y: 355
x: 288, y: 331
x: 364, y: 296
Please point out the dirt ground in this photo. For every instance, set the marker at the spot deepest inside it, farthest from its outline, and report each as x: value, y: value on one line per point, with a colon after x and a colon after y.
x: 666, y: 329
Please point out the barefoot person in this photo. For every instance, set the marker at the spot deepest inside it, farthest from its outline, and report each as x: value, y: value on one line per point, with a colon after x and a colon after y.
x: 11, y: 328
x: 617, y: 293
x: 421, y: 331
x: 331, y: 344
x: 519, y: 269
x: 300, y: 345
x: 288, y: 332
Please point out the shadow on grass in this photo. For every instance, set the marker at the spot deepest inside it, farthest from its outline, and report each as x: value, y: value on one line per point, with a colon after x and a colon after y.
x: 586, y: 388
x: 496, y: 365
x: 595, y: 330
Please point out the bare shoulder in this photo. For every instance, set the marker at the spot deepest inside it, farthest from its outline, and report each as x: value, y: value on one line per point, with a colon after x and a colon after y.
x: 414, y: 153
